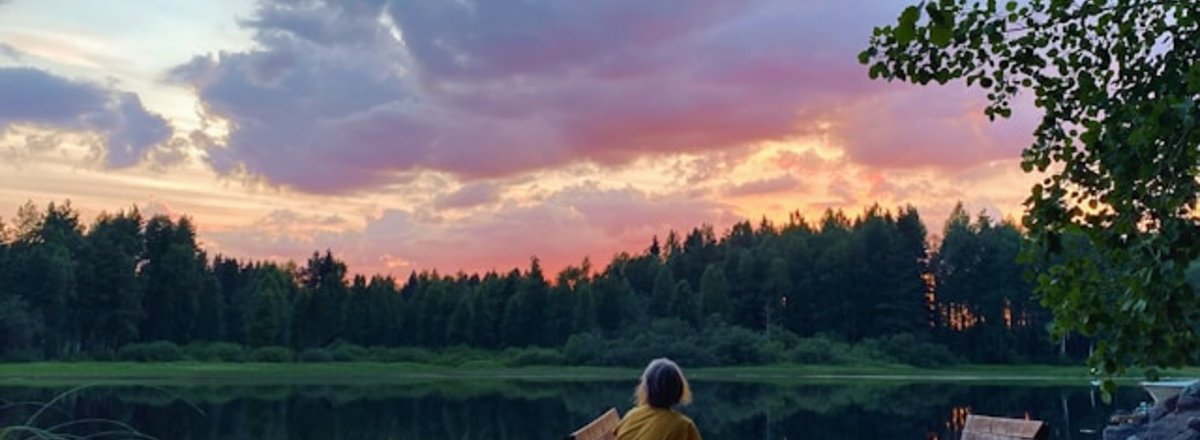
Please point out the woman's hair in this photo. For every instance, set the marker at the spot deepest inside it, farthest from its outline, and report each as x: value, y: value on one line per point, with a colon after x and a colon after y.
x: 663, y: 385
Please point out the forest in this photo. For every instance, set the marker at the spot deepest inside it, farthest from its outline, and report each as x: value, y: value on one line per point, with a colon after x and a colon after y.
x: 840, y: 289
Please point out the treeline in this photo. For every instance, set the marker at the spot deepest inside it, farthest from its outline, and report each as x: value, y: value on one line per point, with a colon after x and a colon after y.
x: 801, y: 291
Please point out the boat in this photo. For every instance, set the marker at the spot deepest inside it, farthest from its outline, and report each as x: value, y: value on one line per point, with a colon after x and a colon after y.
x: 1165, y: 389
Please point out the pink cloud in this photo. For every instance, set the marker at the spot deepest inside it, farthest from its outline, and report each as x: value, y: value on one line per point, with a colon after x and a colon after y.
x: 469, y: 196
x: 332, y: 101
x: 942, y: 127
x: 804, y: 162
x: 768, y: 185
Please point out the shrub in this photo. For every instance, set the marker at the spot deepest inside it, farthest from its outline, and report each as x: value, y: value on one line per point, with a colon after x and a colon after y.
x: 819, y: 350
x: 271, y: 354
x: 106, y: 355
x: 77, y: 357
x: 584, y: 348
x: 739, y: 346
x: 673, y: 338
x: 533, y: 356
x: 909, y: 349
x: 402, y: 354
x: 782, y: 340
x: 459, y: 355
x: 23, y: 355
x: 315, y: 355
x: 670, y: 338
x: 195, y: 350
x: 157, y: 351
x: 480, y: 364
x: 215, y: 352
x: 349, y: 353
x: 226, y: 352
x: 868, y: 351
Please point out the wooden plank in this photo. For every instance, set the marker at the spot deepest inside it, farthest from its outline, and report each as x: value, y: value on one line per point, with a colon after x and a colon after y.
x: 603, y: 428
x: 999, y: 428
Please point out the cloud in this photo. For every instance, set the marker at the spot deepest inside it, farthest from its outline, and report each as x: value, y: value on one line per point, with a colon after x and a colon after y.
x: 702, y: 168
x: 768, y: 185
x: 8, y: 51
x: 345, y: 96
x: 843, y: 192
x: 469, y: 196
x: 35, y: 97
x: 942, y: 127
x: 578, y: 221
x: 806, y: 161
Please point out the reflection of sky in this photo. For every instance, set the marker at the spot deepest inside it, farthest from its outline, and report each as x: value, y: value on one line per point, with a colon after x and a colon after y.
x: 407, y: 135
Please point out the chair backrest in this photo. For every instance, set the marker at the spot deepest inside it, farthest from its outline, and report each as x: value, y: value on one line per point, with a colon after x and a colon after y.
x: 999, y: 428
x: 603, y: 428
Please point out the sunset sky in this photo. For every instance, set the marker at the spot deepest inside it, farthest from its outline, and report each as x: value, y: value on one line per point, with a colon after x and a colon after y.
x: 473, y: 134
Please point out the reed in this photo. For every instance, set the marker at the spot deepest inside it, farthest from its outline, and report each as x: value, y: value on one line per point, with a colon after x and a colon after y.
x: 37, y: 426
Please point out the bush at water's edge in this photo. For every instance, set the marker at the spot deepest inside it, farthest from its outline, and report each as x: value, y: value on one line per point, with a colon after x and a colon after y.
x: 716, y: 346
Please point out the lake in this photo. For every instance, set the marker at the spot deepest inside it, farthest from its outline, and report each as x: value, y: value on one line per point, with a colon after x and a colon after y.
x: 513, y: 409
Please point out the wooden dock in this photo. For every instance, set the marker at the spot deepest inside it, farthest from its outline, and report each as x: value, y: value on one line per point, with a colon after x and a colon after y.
x: 603, y: 428
x: 999, y: 428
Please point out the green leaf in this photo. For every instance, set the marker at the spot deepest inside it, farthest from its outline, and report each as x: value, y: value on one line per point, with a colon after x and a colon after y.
x: 876, y: 71
x: 940, y: 35
x: 907, y: 29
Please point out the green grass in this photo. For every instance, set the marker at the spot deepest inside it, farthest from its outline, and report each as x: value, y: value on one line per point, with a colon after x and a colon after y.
x: 60, y: 373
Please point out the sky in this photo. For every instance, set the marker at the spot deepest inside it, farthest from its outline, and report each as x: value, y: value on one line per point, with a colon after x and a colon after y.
x: 410, y: 135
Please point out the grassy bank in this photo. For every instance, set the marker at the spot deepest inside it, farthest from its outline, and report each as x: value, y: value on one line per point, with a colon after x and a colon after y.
x: 58, y: 373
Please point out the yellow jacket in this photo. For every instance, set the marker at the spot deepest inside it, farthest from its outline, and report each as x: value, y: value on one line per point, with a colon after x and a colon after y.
x: 650, y: 423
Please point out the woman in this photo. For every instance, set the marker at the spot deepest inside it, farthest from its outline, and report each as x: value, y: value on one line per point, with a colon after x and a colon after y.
x: 663, y: 388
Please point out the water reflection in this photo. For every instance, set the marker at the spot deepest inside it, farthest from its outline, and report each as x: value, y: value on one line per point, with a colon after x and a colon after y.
x: 496, y: 409
x: 958, y: 418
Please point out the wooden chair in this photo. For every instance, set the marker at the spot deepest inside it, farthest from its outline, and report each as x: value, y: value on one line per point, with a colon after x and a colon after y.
x: 999, y: 428
x: 603, y: 428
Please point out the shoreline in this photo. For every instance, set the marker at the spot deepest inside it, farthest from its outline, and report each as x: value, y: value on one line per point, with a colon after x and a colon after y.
x: 368, y: 373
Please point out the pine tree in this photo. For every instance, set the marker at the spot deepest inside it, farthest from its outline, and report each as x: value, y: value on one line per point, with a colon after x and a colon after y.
x: 458, y: 330
x: 583, y: 314
x: 46, y: 273
x: 231, y: 277
x: 359, y: 327
x: 684, y: 304
x: 319, y: 321
x: 662, y: 294
x: 714, y: 294
x: 266, y: 323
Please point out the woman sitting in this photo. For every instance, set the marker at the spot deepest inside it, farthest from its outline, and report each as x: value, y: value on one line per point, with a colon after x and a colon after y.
x: 663, y: 388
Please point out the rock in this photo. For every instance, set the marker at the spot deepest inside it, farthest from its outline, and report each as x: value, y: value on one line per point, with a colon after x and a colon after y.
x: 1162, y: 409
x: 1120, y: 432
x: 1189, y: 399
x: 1176, y: 418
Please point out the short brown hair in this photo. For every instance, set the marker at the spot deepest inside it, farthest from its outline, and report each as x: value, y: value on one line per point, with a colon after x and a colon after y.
x: 663, y: 385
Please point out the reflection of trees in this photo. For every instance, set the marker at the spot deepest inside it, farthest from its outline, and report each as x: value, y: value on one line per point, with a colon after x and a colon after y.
x: 498, y: 409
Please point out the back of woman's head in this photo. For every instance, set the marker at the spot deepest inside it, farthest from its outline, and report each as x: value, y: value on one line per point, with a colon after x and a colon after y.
x: 663, y: 385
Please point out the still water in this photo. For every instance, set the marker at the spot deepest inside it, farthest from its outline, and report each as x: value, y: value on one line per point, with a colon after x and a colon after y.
x: 507, y: 409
